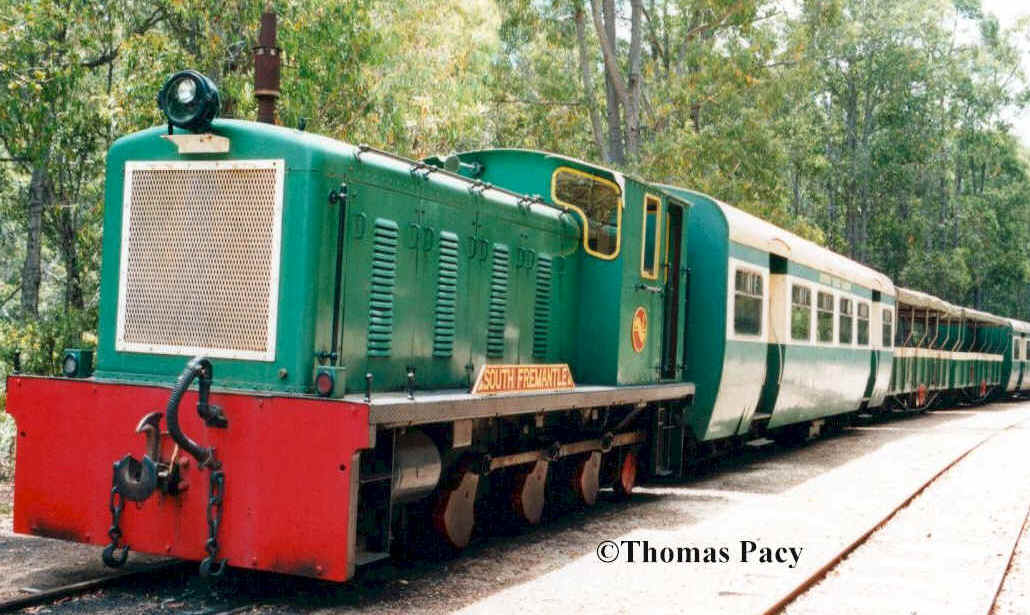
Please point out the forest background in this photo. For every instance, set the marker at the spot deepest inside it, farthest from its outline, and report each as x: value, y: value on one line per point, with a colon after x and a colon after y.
x: 879, y: 128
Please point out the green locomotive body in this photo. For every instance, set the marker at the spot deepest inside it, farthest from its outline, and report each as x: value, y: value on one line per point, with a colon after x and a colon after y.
x: 436, y: 272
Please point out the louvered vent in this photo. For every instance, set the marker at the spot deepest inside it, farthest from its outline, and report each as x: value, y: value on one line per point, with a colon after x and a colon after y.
x: 498, y: 302
x: 200, y: 258
x: 384, y: 279
x: 542, y: 307
x: 446, y: 296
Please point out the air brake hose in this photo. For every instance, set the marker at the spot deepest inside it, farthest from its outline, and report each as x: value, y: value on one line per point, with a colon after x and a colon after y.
x: 201, y: 367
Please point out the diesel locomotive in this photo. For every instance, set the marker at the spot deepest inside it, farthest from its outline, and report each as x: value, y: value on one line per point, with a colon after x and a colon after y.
x: 381, y: 344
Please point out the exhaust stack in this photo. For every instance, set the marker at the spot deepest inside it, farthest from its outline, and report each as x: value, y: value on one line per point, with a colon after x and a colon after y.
x: 267, y: 60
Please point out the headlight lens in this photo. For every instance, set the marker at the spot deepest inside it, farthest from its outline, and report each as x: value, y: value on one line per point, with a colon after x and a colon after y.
x: 186, y: 91
x: 189, y: 100
x: 71, y: 365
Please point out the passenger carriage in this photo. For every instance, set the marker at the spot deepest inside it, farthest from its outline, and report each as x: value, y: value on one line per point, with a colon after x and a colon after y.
x: 1017, y: 364
x: 784, y: 333
x: 945, y: 353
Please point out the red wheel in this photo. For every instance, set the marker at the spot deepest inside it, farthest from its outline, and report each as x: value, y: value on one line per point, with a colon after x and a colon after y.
x: 454, y: 515
x: 587, y: 478
x: 627, y: 478
x: 529, y: 495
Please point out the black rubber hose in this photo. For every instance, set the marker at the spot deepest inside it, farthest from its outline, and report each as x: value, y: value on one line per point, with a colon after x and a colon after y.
x: 199, y: 366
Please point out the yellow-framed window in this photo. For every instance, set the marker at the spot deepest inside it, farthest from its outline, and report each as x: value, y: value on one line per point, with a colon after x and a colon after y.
x: 651, y: 238
x: 598, y: 202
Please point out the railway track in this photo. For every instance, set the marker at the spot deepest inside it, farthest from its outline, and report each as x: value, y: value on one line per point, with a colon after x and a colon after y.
x: 36, y: 597
x: 810, y: 581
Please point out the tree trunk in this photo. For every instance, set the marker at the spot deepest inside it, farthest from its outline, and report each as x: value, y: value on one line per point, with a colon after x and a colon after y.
x: 588, y: 85
x: 67, y: 228
x: 615, y: 88
x: 40, y: 194
x: 632, y: 108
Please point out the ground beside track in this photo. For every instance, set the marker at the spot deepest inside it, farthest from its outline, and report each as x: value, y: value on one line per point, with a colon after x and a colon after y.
x: 947, y: 551
x: 554, y: 567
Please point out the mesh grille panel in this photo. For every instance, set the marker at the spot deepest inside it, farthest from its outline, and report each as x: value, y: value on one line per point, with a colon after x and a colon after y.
x: 200, y: 258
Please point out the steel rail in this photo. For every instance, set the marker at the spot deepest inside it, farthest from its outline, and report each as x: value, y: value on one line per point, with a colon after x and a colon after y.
x: 1008, y: 564
x: 62, y: 591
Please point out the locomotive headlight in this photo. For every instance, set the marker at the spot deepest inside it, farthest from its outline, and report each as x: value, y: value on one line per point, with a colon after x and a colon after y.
x: 189, y: 100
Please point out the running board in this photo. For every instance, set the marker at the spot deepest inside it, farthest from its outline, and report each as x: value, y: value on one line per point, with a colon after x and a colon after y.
x: 398, y: 409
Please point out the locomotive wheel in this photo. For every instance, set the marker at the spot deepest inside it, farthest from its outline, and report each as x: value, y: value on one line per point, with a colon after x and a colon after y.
x: 587, y: 478
x: 529, y: 495
x: 454, y: 515
x: 627, y: 477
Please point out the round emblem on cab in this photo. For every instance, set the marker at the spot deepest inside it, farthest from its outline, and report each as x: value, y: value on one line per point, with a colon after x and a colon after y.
x: 638, y: 332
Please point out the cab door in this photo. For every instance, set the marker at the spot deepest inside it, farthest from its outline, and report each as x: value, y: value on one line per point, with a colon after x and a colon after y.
x: 676, y: 280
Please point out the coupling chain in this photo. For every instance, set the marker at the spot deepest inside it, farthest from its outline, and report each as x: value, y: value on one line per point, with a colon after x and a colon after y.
x: 116, y: 503
x: 211, y: 567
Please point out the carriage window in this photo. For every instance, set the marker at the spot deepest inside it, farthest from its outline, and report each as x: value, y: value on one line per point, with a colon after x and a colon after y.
x: 824, y: 316
x: 599, y: 202
x: 888, y: 325
x: 863, y: 324
x: 747, y: 303
x: 846, y: 311
x: 650, y: 244
x: 1017, y: 345
x: 1026, y: 354
x: 800, y: 313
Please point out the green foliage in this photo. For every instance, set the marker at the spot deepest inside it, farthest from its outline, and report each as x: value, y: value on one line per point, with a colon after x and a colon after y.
x: 7, y: 433
x: 872, y: 126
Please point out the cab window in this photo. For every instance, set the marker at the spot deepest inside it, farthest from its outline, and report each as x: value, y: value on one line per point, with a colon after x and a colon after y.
x: 1017, y: 344
x: 863, y: 324
x: 846, y: 316
x: 888, y: 327
x: 598, y: 202
x: 651, y: 238
x: 824, y: 317
x: 747, y: 303
x: 800, y: 313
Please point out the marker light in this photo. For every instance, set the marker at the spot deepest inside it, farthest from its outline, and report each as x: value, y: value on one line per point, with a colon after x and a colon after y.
x: 324, y: 384
x: 70, y: 366
x: 189, y: 100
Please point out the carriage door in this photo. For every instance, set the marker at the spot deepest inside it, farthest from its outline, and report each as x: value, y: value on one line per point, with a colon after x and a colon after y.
x: 675, y: 276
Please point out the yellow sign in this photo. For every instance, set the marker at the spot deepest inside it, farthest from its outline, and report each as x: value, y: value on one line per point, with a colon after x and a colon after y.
x: 522, y: 378
x: 638, y: 331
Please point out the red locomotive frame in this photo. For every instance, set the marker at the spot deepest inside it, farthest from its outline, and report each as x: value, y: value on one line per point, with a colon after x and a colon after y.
x: 272, y: 520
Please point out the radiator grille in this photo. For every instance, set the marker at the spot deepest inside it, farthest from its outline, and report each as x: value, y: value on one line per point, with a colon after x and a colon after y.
x: 542, y: 307
x: 498, y: 309
x: 200, y: 258
x: 386, y: 238
x: 446, y: 296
